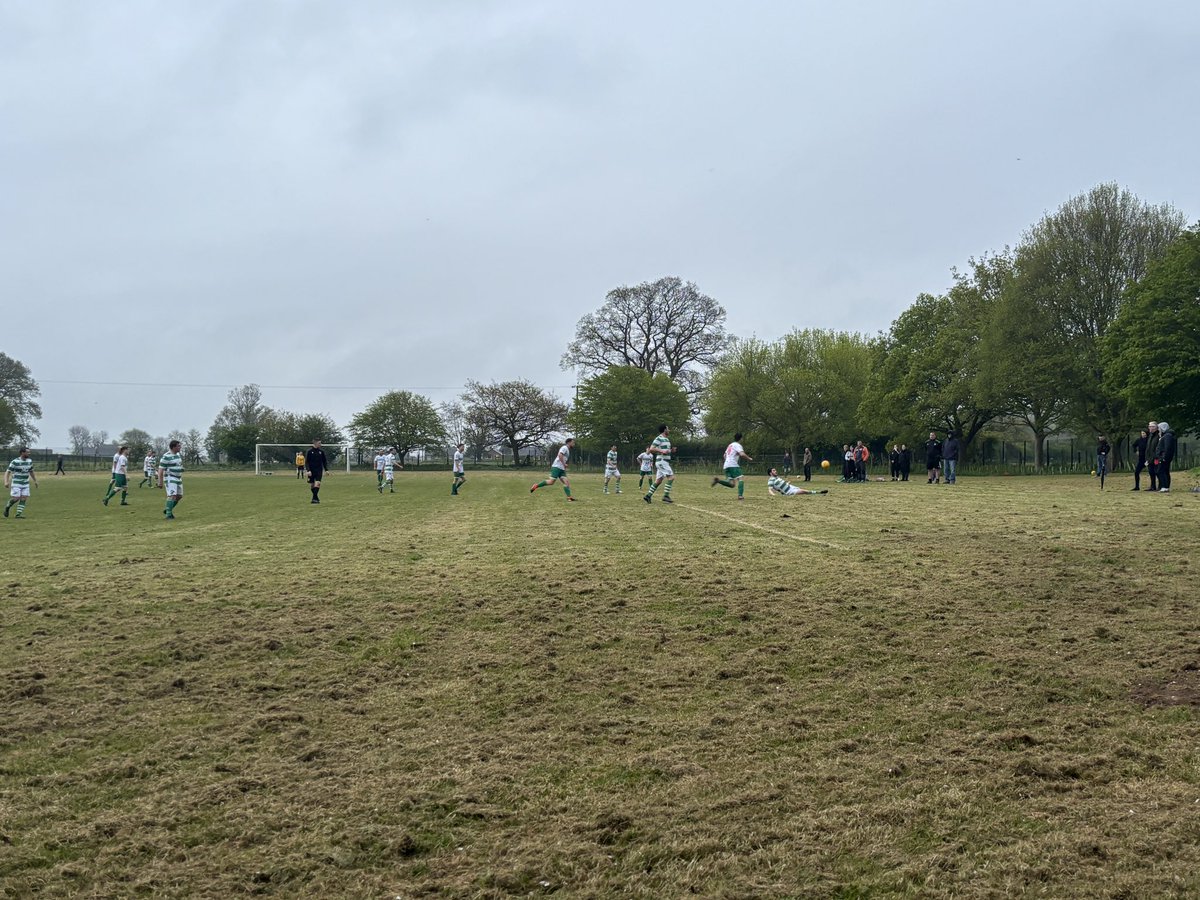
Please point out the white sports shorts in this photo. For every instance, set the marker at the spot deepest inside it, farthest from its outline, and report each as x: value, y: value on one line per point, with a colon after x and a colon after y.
x: 19, y: 490
x: 663, y: 469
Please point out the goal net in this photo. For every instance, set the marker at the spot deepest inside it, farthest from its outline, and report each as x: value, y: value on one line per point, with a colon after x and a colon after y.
x: 269, y: 458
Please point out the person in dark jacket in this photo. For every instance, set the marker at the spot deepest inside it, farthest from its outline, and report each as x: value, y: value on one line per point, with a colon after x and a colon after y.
x: 1152, y: 455
x: 905, y: 462
x: 894, y: 459
x: 933, y: 458
x: 950, y: 451
x: 1139, y: 448
x: 808, y: 461
x: 1103, y: 448
x: 1166, y: 456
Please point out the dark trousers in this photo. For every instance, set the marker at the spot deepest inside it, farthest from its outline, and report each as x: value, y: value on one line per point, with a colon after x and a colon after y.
x: 808, y: 471
x: 1153, y: 467
x: 1137, y: 474
x: 903, y: 472
x: 1164, y: 473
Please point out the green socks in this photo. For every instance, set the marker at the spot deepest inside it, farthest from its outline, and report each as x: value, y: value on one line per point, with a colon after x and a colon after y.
x: 566, y: 490
x: 741, y: 487
x: 724, y: 483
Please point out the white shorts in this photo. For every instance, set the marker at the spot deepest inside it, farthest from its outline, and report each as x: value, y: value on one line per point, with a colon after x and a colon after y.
x: 611, y: 473
x: 174, y: 488
x: 388, y: 475
x: 664, y: 470
x: 19, y: 491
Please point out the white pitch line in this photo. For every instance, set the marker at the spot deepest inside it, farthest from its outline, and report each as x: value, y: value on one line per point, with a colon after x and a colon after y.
x: 775, y: 531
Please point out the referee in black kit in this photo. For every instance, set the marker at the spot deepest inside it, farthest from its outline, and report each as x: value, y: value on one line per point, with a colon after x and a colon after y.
x: 316, y: 465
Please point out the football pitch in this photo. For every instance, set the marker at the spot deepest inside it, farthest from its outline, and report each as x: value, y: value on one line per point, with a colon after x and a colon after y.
x: 896, y: 689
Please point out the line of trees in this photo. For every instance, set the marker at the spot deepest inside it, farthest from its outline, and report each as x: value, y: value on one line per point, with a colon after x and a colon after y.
x: 1090, y: 325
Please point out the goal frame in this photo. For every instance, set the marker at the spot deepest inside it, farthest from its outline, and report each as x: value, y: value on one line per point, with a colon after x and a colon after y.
x: 344, y: 448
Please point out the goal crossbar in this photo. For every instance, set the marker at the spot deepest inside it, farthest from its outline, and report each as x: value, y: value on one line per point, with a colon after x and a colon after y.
x: 344, y: 448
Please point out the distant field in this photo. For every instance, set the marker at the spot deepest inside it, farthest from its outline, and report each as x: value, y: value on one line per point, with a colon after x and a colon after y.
x: 982, y: 690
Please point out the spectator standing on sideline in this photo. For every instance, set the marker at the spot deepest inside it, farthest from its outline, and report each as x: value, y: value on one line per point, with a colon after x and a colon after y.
x: 1139, y: 447
x: 860, y: 462
x: 950, y: 451
x: 847, y: 462
x: 933, y: 458
x: 894, y: 460
x: 808, y: 461
x: 1166, y: 456
x: 905, y: 462
x: 316, y: 464
x: 1152, y: 455
x: 787, y: 462
x: 299, y: 464
x: 60, y: 470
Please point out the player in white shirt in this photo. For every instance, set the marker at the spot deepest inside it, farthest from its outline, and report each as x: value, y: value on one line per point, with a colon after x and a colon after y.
x: 558, y: 470
x: 645, y: 465
x: 460, y: 474
x: 734, y: 454
x: 777, y: 485
x: 390, y: 463
x: 119, y: 481
x: 149, y: 468
x: 380, y: 459
x: 610, y: 469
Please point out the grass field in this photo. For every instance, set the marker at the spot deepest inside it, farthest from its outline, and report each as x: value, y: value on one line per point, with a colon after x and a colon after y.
x: 897, y: 689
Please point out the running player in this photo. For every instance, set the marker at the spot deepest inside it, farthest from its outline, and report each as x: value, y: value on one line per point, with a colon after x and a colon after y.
x: 170, y: 476
x: 119, y: 482
x: 734, y: 454
x: 460, y: 474
x: 149, y: 467
x: 662, y: 449
x: 558, y: 469
x: 646, y: 465
x: 777, y: 485
x: 16, y: 479
x: 610, y: 469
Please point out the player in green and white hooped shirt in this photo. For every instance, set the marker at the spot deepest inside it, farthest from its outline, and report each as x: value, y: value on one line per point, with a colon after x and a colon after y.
x: 149, y: 467
x: 646, y: 464
x: 119, y: 482
x: 170, y: 476
x: 390, y: 462
x: 460, y: 474
x: 558, y: 469
x: 777, y: 485
x: 380, y: 460
x: 16, y: 478
x: 662, y: 450
x: 734, y: 454
x: 610, y: 469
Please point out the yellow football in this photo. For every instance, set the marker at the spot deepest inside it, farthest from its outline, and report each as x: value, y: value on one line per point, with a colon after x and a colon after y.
x: 824, y: 464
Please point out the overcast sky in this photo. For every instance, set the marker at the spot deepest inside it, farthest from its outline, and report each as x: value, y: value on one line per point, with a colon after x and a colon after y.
x: 389, y: 194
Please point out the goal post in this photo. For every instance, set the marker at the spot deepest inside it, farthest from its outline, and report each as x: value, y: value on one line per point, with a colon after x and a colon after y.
x: 262, y: 459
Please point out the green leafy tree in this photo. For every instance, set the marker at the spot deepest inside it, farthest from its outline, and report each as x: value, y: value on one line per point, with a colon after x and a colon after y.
x: 18, y: 393
x: 399, y: 419
x: 10, y: 427
x: 1151, y: 350
x: 519, y: 412
x: 926, y: 368
x: 1075, y: 267
x: 802, y: 390
x: 137, y: 440
x: 625, y: 406
x: 1021, y: 358
x: 239, y: 425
